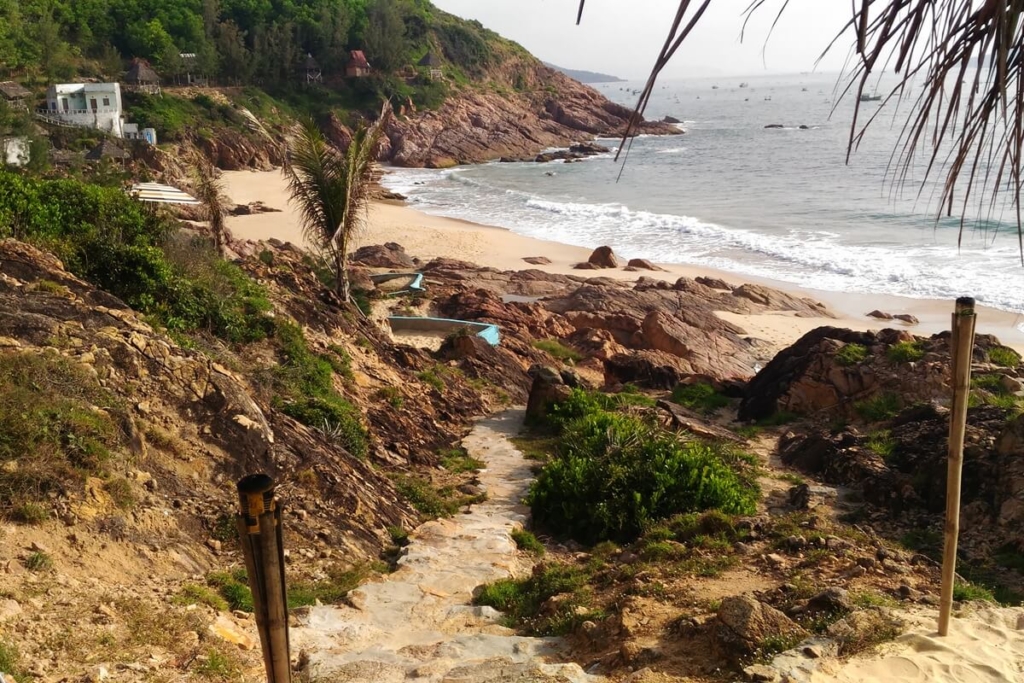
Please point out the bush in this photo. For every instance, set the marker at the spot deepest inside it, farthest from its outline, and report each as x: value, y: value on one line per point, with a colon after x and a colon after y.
x: 458, y: 461
x: 852, y: 354
x: 525, y: 540
x: 882, y: 443
x: 38, y: 562
x: 700, y: 397
x: 614, y: 474
x: 878, y: 408
x: 10, y: 659
x: 31, y: 513
x: 965, y: 592
x: 1004, y: 356
x: 233, y: 588
x: 521, y: 599
x: 121, y: 493
x: 56, y: 423
x: 558, y: 350
x: 304, y: 390
x: 193, y: 594
x: 429, y: 501
x: 905, y: 352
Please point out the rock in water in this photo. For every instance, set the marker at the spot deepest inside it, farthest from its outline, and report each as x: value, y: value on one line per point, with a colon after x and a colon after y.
x: 670, y: 119
x: 604, y: 257
x: 743, y: 624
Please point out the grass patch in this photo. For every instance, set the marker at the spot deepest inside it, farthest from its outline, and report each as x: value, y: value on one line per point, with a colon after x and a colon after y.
x: 458, y: 461
x: 399, y: 536
x: 782, y: 417
x: 522, y: 600
x: 218, y: 666
x: 869, y: 599
x: 329, y: 591
x: 773, y: 645
x: 1004, y: 356
x: 702, y: 398
x: 304, y: 390
x: 525, y: 540
x: 10, y: 659
x: 881, y: 443
x: 38, y: 561
x: 194, y: 594
x: 852, y: 354
x: 30, y: 513
x: 121, y: 492
x: 392, y: 395
x: 791, y: 477
x: 539, y: 448
x: 879, y: 408
x: 233, y: 588
x: 57, y: 427
x: 965, y: 592
x: 558, y: 350
x: 432, y: 502
x: 905, y: 352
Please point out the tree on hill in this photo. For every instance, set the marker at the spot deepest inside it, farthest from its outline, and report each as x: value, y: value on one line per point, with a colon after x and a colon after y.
x: 384, y: 36
x: 209, y: 190
x: 966, y: 118
x: 332, y: 189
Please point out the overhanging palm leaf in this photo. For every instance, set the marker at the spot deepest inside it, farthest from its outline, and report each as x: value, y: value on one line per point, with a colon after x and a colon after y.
x: 967, y: 117
x: 331, y: 189
x: 209, y: 190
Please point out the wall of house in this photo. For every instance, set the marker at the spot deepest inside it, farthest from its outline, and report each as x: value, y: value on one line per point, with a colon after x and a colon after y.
x: 95, y: 105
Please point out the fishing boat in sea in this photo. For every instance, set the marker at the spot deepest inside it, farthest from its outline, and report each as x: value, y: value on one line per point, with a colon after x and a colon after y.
x: 744, y: 85
x: 870, y: 98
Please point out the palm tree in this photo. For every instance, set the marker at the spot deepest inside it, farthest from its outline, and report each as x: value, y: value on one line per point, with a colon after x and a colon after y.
x: 332, y: 189
x: 209, y: 190
x: 967, y: 117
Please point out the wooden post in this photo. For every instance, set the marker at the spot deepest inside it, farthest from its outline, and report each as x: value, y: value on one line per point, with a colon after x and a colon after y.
x: 259, y: 526
x: 962, y: 351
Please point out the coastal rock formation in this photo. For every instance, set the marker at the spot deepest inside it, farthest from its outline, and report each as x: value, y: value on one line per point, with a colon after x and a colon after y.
x: 743, y: 624
x: 480, y: 125
x: 603, y: 257
x: 537, y: 260
x: 388, y: 255
x: 642, y: 264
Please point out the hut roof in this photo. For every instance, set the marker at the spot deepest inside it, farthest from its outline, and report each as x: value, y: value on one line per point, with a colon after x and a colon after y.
x: 310, y: 64
x: 141, y: 72
x: 431, y: 60
x: 107, y: 149
x: 357, y: 58
x: 13, y: 91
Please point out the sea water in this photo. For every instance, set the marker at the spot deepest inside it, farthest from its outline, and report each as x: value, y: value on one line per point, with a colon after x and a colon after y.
x: 781, y: 203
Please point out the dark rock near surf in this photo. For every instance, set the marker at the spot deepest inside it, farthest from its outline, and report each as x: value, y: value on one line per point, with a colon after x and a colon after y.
x: 907, y: 318
x: 715, y: 283
x: 670, y: 119
x: 881, y: 315
x: 774, y: 126
x: 642, y: 264
x: 604, y: 257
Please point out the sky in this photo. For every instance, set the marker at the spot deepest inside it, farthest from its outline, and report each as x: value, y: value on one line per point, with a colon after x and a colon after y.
x: 624, y: 42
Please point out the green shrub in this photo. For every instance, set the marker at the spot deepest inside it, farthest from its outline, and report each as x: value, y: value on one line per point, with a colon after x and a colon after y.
x: 38, y: 561
x: 392, y: 395
x: 457, y: 461
x: 882, y: 443
x: 990, y: 382
x: 1004, y: 356
x: 57, y: 424
x: 194, y: 594
x: 432, y: 378
x: 964, y: 592
x: 121, y: 492
x: 30, y: 513
x: 558, y: 350
x: 525, y: 540
x: 304, y: 390
x: 882, y: 407
x: 432, y: 502
x: 905, y: 352
x: 581, y: 403
x: 399, y: 536
x: 218, y: 666
x: 233, y: 588
x: 700, y: 397
x: 10, y: 659
x: 852, y: 354
x: 614, y: 474
x: 521, y: 599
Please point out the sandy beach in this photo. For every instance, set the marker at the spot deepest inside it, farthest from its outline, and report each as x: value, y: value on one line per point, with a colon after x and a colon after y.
x: 428, y: 236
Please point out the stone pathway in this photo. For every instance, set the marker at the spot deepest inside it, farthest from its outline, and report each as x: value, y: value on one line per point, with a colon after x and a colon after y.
x: 419, y: 624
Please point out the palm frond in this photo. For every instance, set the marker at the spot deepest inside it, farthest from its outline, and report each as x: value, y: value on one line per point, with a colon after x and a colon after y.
x: 966, y: 120
x: 316, y: 182
x: 209, y: 190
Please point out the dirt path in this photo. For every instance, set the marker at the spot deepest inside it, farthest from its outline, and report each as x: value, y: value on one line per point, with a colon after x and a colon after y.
x: 419, y: 623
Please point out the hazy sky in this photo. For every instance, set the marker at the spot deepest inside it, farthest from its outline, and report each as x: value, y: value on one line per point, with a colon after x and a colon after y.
x: 622, y: 37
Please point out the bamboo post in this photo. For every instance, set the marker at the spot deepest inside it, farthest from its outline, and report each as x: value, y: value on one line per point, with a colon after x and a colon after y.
x: 962, y: 351
x: 260, y: 529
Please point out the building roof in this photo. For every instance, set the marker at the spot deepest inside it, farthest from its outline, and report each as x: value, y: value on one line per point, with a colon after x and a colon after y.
x: 142, y: 73
x: 310, y: 64
x: 358, y: 59
x: 13, y: 91
x: 431, y: 60
x: 107, y: 149
x: 161, y: 194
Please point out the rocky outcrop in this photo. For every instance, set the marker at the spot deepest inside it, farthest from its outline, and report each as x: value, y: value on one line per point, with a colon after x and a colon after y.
x: 603, y: 257
x: 642, y: 264
x: 481, y: 125
x: 390, y: 255
x: 743, y: 626
x: 232, y: 150
x: 549, y: 388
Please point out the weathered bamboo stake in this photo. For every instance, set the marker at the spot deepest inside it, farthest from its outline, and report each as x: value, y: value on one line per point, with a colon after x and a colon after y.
x: 962, y: 349
x: 259, y: 524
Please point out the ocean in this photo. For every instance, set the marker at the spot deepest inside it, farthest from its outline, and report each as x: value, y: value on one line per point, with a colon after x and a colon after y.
x: 730, y: 194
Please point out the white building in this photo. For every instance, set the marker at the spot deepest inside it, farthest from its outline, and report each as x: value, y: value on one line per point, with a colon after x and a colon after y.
x: 133, y: 132
x: 93, y: 105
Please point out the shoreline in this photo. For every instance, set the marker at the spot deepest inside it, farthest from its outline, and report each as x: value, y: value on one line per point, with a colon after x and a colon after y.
x: 429, y: 236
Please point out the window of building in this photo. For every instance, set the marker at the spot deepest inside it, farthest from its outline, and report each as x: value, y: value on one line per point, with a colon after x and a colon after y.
x: 106, y: 101
x: 92, y: 103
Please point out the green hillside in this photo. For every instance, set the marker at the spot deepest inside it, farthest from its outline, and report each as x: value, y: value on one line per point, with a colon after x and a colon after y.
x: 247, y: 42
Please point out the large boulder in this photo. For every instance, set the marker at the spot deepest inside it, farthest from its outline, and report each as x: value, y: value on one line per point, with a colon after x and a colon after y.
x: 389, y: 255
x: 743, y: 625
x: 549, y: 388
x: 603, y: 257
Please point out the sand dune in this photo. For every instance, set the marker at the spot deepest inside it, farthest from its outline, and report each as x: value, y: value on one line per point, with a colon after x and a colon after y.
x: 984, y: 646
